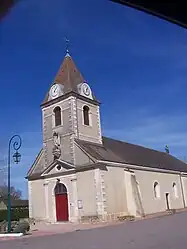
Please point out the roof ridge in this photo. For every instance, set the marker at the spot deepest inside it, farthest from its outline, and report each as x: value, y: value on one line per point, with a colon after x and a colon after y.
x: 137, y: 145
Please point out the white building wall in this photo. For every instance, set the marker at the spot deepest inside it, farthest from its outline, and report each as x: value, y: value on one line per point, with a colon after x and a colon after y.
x: 131, y: 206
x: 151, y: 204
x: 37, y: 208
x: 86, y: 193
x: 42, y: 205
x: 184, y: 185
x: 115, y: 200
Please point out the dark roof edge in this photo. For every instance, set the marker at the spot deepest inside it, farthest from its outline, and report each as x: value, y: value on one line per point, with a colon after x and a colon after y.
x: 140, y: 167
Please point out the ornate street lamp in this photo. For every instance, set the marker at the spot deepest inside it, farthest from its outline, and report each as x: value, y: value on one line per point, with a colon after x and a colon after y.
x: 16, y: 157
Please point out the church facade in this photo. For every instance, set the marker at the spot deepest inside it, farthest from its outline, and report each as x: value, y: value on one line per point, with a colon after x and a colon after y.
x: 79, y: 174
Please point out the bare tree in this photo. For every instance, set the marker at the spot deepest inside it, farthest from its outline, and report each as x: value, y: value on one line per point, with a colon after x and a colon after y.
x: 15, y: 193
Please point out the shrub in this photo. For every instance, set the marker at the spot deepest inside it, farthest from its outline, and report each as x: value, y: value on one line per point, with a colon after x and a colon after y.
x: 22, y: 227
x: 16, y: 214
x: 126, y: 217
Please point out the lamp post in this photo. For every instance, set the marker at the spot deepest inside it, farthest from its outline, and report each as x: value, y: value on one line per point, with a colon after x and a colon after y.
x: 17, y: 157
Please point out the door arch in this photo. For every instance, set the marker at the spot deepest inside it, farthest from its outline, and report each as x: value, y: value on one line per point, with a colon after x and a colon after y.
x: 61, y: 199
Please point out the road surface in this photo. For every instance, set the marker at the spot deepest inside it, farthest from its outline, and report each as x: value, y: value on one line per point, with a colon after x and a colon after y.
x: 169, y: 232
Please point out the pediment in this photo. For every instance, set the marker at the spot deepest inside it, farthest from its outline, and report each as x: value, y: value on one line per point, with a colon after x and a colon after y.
x: 58, y: 167
x: 38, y: 166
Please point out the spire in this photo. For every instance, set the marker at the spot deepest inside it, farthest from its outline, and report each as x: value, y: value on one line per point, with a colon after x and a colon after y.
x: 68, y: 76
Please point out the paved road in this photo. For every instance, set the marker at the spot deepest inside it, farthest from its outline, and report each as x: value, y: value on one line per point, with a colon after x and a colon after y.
x: 168, y: 232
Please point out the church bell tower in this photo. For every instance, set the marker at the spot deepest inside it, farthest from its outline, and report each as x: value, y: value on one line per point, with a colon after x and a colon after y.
x: 69, y: 111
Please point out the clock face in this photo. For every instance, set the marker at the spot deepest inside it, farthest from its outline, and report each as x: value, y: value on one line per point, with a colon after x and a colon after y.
x: 86, y: 89
x: 55, y: 91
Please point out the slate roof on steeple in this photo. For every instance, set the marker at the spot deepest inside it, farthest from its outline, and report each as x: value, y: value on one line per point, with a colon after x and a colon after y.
x: 69, y: 76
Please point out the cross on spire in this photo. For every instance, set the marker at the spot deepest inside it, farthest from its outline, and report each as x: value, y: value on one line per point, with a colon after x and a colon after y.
x: 67, y: 46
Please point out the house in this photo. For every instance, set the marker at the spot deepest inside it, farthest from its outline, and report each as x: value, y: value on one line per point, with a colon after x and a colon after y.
x: 79, y: 174
x: 14, y: 204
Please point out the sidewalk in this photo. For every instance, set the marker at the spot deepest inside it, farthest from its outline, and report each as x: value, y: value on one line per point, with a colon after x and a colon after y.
x: 43, y: 228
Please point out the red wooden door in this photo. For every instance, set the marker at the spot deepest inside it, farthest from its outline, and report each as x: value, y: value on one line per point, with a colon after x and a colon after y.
x: 61, y: 207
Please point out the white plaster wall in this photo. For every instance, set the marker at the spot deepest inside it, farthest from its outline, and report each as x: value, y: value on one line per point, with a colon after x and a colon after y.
x: 37, y: 208
x: 30, y: 198
x: 131, y: 206
x: 115, y: 193
x: 184, y: 184
x: 146, y: 181
x: 86, y: 193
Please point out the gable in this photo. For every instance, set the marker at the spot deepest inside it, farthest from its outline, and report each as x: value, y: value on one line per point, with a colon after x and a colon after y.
x: 38, y: 165
x: 58, y: 167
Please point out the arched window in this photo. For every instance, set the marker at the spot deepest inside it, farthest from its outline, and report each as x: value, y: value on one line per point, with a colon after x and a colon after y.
x: 156, y: 190
x: 86, y: 115
x: 60, y: 188
x: 57, y: 113
x: 175, y: 192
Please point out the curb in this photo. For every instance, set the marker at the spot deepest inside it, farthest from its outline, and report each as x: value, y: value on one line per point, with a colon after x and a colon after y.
x: 5, y: 235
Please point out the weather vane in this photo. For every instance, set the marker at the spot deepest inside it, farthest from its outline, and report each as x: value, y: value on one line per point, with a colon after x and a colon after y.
x: 67, y: 45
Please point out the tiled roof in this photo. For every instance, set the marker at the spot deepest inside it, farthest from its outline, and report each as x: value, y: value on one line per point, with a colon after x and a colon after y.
x: 122, y: 152
x: 16, y: 203
x: 69, y: 76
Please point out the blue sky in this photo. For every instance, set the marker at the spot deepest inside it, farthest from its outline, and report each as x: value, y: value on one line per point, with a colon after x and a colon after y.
x: 135, y: 63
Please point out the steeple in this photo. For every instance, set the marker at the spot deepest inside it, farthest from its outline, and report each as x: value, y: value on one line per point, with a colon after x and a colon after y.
x: 69, y: 111
x: 68, y: 77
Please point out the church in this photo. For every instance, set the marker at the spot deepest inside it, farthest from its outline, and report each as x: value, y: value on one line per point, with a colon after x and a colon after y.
x: 79, y: 174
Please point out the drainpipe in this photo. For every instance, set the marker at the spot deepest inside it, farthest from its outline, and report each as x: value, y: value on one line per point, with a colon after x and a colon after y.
x: 182, y: 189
